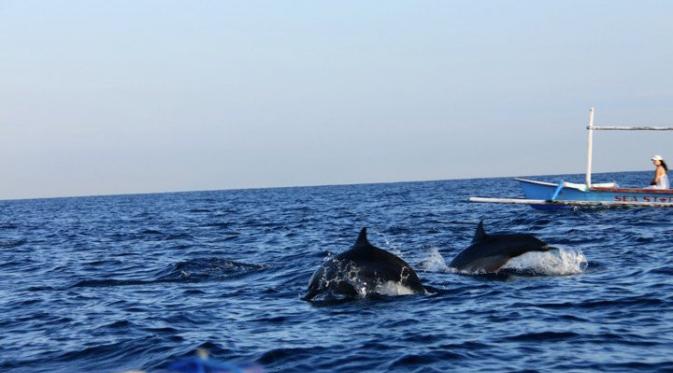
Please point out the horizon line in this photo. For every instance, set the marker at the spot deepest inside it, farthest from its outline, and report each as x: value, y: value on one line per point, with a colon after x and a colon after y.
x: 296, y: 186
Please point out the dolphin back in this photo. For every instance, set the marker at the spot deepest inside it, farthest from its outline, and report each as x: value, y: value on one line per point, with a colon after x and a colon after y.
x: 362, y: 270
x: 384, y: 274
x: 488, y: 253
x: 381, y: 265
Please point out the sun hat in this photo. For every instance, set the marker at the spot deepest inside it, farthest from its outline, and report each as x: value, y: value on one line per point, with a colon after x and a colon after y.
x: 656, y: 157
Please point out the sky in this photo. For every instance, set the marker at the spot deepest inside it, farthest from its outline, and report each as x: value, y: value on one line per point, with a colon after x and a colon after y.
x: 112, y: 97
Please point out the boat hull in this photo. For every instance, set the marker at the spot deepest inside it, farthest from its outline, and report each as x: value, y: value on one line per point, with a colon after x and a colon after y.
x: 533, y: 189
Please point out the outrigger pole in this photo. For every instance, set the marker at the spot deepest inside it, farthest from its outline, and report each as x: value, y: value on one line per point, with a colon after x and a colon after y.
x: 590, y: 138
x: 523, y: 201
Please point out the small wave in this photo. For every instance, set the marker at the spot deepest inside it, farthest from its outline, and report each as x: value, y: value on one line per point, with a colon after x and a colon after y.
x: 662, y: 271
x: 213, y: 267
x: 558, y: 262
x: 600, y: 304
x: 278, y: 355
x: 109, y: 283
x: 193, y: 270
x: 155, y: 234
x: 39, y: 288
x: 548, y: 336
x: 417, y: 360
x: 199, y: 210
x: 10, y: 244
x: 120, y: 324
x: 221, y: 225
x: 149, y: 231
x: 178, y: 236
x: 162, y: 330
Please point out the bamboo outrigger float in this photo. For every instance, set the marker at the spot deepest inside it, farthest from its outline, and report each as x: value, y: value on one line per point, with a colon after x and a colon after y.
x: 544, y: 195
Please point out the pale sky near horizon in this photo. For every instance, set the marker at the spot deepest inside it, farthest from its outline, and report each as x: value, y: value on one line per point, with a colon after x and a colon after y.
x: 109, y: 97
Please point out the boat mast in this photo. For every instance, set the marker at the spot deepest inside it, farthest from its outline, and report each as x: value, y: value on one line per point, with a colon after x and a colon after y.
x: 590, y: 145
x: 590, y: 138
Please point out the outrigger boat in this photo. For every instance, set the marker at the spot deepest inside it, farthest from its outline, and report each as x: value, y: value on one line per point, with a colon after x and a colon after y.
x: 545, y: 195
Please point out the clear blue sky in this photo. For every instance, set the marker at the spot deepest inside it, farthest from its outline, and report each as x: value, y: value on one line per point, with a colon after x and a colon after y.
x: 102, y: 97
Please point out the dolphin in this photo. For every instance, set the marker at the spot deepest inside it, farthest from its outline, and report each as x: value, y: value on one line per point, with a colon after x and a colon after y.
x: 488, y: 253
x: 363, y: 270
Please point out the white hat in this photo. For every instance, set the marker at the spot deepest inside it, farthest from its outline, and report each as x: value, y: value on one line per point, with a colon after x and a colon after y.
x: 656, y: 158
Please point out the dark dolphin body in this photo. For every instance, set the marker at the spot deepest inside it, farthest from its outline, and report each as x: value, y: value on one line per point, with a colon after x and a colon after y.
x: 361, y: 271
x: 488, y: 253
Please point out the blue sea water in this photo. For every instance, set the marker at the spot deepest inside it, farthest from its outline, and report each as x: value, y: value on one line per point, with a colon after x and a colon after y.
x: 109, y: 284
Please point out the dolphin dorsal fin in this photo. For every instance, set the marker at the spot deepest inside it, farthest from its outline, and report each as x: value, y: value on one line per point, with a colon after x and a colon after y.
x: 362, y: 238
x: 480, y: 234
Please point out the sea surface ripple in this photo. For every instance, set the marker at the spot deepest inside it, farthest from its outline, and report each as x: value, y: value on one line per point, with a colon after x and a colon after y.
x: 109, y: 284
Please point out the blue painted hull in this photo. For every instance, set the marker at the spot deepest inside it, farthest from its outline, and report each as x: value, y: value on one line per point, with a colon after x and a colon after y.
x: 549, y: 191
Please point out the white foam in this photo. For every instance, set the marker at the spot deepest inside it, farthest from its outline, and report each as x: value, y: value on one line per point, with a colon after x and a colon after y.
x: 392, y: 289
x: 349, y: 272
x: 435, y: 262
x: 557, y: 262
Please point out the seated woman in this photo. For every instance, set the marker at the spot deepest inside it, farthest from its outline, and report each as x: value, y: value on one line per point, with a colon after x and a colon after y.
x: 660, y: 180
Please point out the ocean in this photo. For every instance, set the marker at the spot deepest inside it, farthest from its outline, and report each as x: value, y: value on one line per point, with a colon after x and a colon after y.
x: 115, y: 283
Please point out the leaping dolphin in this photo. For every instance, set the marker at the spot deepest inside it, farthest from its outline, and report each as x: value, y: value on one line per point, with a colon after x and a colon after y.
x: 488, y: 253
x: 364, y: 270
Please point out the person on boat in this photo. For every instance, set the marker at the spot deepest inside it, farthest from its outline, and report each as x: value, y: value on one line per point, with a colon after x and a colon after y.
x: 660, y: 180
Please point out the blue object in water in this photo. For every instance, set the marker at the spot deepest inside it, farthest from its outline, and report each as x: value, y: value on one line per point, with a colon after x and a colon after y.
x: 205, y: 365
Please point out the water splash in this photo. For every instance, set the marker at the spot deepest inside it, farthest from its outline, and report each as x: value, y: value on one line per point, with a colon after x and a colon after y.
x: 560, y: 261
x: 435, y: 262
x: 392, y: 289
x: 337, y: 273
